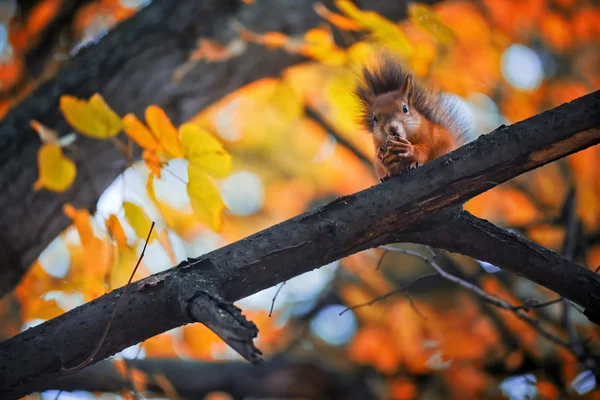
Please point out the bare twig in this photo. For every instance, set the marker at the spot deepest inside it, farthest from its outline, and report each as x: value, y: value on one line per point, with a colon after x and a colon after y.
x: 275, y: 297
x: 403, y: 289
x: 482, y: 294
x: 90, y: 359
x: 381, y: 260
x: 532, y: 304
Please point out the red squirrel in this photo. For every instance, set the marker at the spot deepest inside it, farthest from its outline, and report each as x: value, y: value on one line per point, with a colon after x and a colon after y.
x: 410, y: 125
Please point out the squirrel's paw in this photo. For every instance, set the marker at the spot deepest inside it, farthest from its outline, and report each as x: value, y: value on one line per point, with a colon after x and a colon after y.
x: 393, y: 157
x: 400, y: 146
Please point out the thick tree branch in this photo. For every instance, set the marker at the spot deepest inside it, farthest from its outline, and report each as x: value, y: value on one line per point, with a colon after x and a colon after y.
x: 407, y: 203
x: 475, y: 237
x: 132, y: 67
x: 276, y: 378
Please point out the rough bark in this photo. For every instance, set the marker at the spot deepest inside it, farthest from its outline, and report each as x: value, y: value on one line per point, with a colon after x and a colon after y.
x: 278, y: 378
x: 132, y: 68
x: 466, y: 234
x: 200, y: 290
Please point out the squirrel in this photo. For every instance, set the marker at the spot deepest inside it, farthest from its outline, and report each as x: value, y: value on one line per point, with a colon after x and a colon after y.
x: 410, y: 125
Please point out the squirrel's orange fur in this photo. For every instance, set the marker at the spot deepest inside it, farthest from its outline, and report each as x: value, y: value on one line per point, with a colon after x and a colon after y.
x: 411, y: 126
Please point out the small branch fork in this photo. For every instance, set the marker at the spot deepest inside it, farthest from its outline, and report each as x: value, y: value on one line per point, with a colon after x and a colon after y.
x: 590, y: 361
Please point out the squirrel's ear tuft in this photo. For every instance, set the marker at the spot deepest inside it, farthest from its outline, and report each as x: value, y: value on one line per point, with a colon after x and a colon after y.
x: 408, y: 88
x: 365, y: 96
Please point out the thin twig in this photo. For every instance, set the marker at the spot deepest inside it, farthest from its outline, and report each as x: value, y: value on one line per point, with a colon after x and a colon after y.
x: 381, y: 260
x: 403, y: 289
x: 89, y: 360
x: 275, y: 297
x: 532, y: 304
x: 485, y: 296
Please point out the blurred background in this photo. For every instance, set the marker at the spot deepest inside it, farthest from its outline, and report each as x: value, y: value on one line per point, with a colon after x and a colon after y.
x: 295, y: 143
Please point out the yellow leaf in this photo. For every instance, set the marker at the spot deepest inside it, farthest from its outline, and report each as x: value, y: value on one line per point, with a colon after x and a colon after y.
x: 56, y: 172
x: 184, y: 223
x: 205, y: 198
x: 116, y: 230
x: 383, y: 30
x: 204, y: 151
x: 319, y: 44
x: 93, y: 118
x: 137, y: 131
x: 139, y: 221
x: 423, y: 16
x: 164, y: 131
x: 122, y: 268
x: 282, y: 108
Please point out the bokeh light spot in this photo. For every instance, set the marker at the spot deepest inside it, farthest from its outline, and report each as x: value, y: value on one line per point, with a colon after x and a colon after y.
x: 333, y: 328
x: 522, y: 67
x: 243, y: 193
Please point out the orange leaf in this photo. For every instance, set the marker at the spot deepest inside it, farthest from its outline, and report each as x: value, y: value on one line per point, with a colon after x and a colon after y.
x: 547, y: 235
x: 546, y: 390
x: 593, y: 258
x: 10, y: 74
x: 201, y: 341
x: 160, y: 346
x: 81, y: 219
x: 46, y: 134
x: 211, y: 51
x: 373, y: 345
x: 336, y: 19
x: 403, y: 389
x: 273, y: 39
x: 137, y: 131
x: 557, y: 30
x: 41, y: 15
x: 163, y: 129
x: 152, y: 162
x: 139, y: 378
x: 97, y: 256
x: 37, y: 308
x: 166, y: 386
x: 116, y: 230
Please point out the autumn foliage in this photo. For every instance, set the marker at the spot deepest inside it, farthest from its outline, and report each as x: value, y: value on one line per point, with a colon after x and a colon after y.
x: 281, y: 145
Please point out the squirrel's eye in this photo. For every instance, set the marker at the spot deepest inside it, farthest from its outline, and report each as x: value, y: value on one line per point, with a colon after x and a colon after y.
x: 404, y: 108
x: 375, y: 119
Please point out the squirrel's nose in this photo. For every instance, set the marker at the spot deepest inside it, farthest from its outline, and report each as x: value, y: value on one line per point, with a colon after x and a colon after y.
x: 393, y: 129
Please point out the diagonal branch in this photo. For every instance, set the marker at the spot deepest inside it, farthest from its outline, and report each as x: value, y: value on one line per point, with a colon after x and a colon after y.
x: 406, y: 207
x: 477, y: 238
